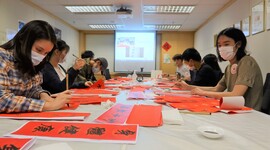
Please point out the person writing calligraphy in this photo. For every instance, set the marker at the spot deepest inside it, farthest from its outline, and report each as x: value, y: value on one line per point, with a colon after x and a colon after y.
x: 242, y: 77
x: 21, y: 59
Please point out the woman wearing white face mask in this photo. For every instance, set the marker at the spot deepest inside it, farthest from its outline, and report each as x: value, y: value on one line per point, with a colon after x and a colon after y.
x: 242, y: 77
x: 20, y: 78
x: 54, y: 75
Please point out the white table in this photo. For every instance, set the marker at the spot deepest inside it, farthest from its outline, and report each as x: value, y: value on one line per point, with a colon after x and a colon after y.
x: 242, y: 132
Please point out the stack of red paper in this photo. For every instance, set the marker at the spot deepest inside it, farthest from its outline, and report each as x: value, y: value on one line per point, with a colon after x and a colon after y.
x: 192, y: 103
x: 94, y: 99
x: 146, y: 115
x: 90, y: 91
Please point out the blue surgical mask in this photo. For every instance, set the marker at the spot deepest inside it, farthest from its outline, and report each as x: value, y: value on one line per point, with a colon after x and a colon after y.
x: 37, y: 58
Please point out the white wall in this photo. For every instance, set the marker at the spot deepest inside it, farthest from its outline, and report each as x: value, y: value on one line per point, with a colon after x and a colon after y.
x: 103, y: 46
x: 11, y: 11
x: 258, y: 44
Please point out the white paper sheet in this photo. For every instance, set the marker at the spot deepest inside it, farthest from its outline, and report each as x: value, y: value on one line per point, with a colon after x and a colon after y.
x: 232, y: 103
x: 55, y: 146
x: 172, y: 116
x: 47, y: 118
x: 156, y: 74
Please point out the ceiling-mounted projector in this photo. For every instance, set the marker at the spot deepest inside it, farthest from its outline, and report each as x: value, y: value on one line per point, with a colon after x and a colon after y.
x: 123, y: 10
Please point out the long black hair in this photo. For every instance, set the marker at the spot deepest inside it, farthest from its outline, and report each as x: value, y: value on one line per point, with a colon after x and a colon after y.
x: 238, y: 37
x: 60, y: 46
x: 212, y: 60
x: 22, y: 43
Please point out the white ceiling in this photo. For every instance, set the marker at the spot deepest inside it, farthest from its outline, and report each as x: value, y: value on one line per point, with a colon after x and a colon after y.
x: 204, y: 9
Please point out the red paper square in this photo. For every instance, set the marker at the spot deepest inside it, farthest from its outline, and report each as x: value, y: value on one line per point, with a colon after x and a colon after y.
x: 166, y: 46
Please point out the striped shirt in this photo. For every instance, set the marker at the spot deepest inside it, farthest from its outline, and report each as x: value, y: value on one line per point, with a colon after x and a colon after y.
x: 17, y: 92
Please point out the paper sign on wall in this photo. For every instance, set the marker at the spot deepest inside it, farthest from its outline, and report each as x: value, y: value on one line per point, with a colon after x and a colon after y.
x: 166, y: 59
x: 166, y: 46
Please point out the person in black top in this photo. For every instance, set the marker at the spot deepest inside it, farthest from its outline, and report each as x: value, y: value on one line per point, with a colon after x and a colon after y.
x: 54, y: 75
x: 87, y: 73
x: 201, y: 74
x: 212, y: 60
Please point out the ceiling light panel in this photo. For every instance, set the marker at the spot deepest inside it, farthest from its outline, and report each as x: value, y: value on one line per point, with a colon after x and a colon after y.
x: 105, y: 26
x: 166, y: 27
x: 181, y: 9
x: 91, y: 9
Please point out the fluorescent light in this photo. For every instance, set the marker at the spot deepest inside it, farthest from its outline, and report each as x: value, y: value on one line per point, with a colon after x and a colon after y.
x: 168, y: 27
x: 105, y: 26
x: 91, y: 9
x: 181, y: 9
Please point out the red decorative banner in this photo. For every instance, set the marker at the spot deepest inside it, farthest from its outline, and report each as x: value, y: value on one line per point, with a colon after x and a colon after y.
x: 16, y: 143
x: 116, y: 114
x: 166, y: 46
x: 47, y: 115
x: 113, y: 82
x: 95, y: 99
x: 98, y: 85
x: 88, y: 132
x: 90, y: 92
x: 146, y: 115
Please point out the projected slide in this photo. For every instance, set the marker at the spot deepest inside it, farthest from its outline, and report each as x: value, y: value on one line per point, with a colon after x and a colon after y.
x: 135, y: 50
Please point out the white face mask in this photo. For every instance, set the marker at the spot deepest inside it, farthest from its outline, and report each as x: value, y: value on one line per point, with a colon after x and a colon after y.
x: 191, y: 68
x: 95, y: 70
x: 37, y: 58
x: 226, y: 52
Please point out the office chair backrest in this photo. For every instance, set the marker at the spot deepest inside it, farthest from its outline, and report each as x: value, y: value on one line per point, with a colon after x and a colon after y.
x: 266, y: 95
x: 267, y: 82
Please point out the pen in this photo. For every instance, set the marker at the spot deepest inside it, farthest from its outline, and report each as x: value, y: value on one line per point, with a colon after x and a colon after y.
x: 75, y: 56
x: 196, y: 113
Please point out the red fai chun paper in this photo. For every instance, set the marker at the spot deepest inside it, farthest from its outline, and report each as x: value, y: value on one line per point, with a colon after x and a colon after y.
x: 116, y: 114
x: 146, y: 115
x: 94, y: 99
x: 16, y: 143
x: 47, y: 115
x: 98, y: 85
x: 76, y: 131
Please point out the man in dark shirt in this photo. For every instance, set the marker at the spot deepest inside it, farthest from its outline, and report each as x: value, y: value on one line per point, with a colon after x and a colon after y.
x: 202, y: 74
